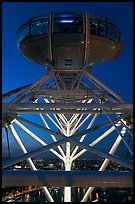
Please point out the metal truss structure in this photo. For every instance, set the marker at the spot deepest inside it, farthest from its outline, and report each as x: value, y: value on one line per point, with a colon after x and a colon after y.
x: 73, y: 121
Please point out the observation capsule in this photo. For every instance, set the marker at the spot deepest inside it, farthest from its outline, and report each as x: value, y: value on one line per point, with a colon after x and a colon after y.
x: 69, y: 40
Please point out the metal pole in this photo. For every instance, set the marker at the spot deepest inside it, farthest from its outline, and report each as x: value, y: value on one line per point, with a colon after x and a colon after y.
x: 106, y: 162
x: 68, y: 105
x: 71, y: 139
x: 30, y: 162
x: 105, y: 134
x: 36, y: 138
x: 82, y: 138
x: 90, y: 76
x: 67, y: 189
x: 121, y: 136
x: 67, y: 178
x: 54, y: 139
x: 67, y: 111
x: 104, y: 155
x: 41, y: 128
x: 6, y: 129
x: 44, y: 77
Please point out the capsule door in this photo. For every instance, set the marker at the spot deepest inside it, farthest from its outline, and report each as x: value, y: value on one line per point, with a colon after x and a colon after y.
x: 67, y: 40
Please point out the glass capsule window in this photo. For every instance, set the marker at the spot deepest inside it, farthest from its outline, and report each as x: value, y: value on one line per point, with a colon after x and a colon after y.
x: 113, y: 33
x: 68, y: 23
x: 97, y: 27
x: 35, y: 26
x: 39, y: 27
x: 102, y: 27
x: 23, y: 33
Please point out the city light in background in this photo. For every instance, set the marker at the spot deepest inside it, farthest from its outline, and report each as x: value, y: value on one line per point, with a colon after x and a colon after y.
x: 45, y: 113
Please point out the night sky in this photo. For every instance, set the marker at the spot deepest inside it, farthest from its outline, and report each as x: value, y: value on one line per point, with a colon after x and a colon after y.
x: 18, y: 71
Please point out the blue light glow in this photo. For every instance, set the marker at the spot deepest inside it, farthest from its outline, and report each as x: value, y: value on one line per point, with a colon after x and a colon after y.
x: 66, y: 21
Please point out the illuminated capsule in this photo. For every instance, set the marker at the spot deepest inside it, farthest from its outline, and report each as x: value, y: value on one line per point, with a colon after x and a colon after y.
x: 69, y: 40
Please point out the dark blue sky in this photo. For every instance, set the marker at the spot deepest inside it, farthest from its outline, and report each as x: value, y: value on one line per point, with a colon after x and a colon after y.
x: 18, y: 71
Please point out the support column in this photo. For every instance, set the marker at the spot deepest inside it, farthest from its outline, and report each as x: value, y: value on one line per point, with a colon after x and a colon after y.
x: 67, y: 190
x: 30, y: 162
x: 106, y: 162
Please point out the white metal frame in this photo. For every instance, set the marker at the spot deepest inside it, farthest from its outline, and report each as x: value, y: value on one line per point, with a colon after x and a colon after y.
x: 75, y: 114
x: 68, y: 118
